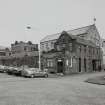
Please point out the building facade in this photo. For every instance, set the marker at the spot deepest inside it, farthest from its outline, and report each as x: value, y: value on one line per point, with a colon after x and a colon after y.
x: 22, y: 53
x: 5, y: 53
x: 21, y: 49
x: 103, y: 49
x: 70, y: 52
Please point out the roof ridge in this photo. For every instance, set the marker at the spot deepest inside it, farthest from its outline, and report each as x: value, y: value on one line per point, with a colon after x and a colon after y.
x: 66, y: 31
x: 80, y: 27
x: 72, y: 29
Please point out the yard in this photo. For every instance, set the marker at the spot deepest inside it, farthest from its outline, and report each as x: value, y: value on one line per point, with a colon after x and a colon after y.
x: 68, y: 90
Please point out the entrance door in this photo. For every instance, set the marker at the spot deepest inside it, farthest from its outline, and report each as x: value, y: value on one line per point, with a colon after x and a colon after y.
x: 60, y: 66
x: 85, y: 64
x: 79, y: 64
x: 94, y: 65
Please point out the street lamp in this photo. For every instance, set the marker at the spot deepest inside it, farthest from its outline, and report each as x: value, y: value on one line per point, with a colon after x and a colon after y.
x: 28, y: 27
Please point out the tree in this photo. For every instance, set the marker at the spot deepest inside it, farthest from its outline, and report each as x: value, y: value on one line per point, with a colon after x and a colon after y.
x: 29, y: 42
x: 16, y: 42
x: 7, y: 49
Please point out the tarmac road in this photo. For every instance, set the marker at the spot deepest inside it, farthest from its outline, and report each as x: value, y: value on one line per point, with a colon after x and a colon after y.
x: 67, y: 90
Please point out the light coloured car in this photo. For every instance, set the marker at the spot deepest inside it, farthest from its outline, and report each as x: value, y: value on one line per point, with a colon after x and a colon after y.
x: 28, y: 72
x: 41, y: 74
x: 33, y: 72
x: 2, y: 68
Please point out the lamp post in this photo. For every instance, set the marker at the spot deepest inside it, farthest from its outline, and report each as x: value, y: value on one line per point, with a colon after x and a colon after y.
x: 29, y: 28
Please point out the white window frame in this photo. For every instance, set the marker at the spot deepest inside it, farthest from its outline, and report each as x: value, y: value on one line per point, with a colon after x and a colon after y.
x: 71, y: 62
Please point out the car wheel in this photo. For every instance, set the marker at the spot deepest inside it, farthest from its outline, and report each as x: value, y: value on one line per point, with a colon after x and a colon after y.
x: 46, y: 75
x: 32, y: 76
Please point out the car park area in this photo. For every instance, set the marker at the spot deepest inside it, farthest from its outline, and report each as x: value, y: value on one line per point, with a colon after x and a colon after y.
x: 23, y: 71
x: 65, y: 90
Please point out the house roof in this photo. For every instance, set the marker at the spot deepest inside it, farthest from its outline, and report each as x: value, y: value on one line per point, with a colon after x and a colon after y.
x: 80, y: 40
x: 85, y: 42
x: 78, y: 31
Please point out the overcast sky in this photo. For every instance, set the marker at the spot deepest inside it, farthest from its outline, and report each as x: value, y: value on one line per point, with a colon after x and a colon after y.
x: 47, y: 17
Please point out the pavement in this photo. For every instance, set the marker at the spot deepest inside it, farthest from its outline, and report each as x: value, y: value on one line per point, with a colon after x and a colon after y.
x: 61, y: 90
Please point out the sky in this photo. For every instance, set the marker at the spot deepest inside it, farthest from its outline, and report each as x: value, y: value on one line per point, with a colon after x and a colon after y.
x: 47, y: 17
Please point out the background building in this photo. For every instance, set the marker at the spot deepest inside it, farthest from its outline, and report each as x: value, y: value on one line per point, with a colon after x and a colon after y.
x: 21, y: 49
x: 22, y: 53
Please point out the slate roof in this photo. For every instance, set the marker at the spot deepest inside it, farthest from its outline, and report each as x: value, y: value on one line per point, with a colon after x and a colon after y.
x: 80, y: 40
x: 78, y: 31
x: 85, y: 42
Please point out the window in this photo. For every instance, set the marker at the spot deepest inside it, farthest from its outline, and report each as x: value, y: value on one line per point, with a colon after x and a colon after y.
x: 2, y: 53
x: 84, y: 49
x: 58, y: 48
x: 70, y: 45
x: 9, y: 54
x: 93, y: 51
x: 80, y: 48
x: 13, y: 52
x: 63, y: 45
x: 97, y: 51
x: 69, y: 62
x: 47, y: 46
x: 42, y: 47
x: 49, y: 63
x: 52, y: 44
x: 90, y: 51
x: 33, y: 49
x: 25, y: 48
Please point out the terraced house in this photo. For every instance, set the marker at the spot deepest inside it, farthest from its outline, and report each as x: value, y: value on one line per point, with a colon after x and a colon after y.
x: 72, y: 51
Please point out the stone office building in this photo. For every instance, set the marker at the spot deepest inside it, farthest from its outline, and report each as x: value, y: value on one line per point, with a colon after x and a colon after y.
x: 25, y: 53
x: 21, y: 53
x: 72, y: 51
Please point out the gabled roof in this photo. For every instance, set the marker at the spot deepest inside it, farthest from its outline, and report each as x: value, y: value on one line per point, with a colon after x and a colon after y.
x: 78, y: 31
x: 80, y: 40
x: 51, y: 37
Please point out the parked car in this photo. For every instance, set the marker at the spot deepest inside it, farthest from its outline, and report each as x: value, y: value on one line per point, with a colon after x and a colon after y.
x: 2, y: 68
x: 33, y: 72
x: 40, y: 73
x: 10, y: 70
x: 28, y: 72
x: 16, y: 70
x: 5, y: 69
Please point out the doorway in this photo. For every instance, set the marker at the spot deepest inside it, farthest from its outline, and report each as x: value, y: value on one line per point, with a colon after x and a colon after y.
x: 60, y: 66
x: 85, y: 64
x: 79, y: 64
x: 94, y: 65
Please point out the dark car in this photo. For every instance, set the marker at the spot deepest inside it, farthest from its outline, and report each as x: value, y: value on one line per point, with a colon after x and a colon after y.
x: 10, y: 70
x: 16, y: 71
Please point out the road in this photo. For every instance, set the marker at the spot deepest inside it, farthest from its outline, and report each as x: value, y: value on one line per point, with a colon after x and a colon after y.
x: 67, y: 90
